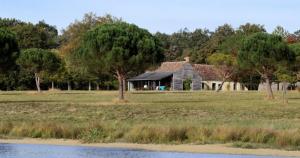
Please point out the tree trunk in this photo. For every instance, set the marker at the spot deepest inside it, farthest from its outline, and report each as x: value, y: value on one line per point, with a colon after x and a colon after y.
x: 69, y: 86
x: 124, y: 84
x: 220, y: 88
x: 121, y: 87
x: 90, y: 86
x: 284, y: 91
x: 52, y: 85
x: 37, y: 82
x: 269, y: 88
x: 97, y: 86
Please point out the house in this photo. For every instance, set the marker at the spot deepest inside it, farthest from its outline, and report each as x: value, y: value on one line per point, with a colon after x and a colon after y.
x: 181, y: 75
x: 169, y: 76
x: 211, y: 80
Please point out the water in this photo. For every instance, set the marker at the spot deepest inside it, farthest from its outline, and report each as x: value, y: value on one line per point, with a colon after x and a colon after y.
x: 54, y: 151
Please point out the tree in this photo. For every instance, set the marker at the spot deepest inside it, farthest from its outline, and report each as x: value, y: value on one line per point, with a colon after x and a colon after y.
x: 280, y: 31
x: 122, y: 48
x: 72, y: 39
x: 9, y: 50
x: 264, y: 53
x: 212, y: 45
x: 249, y: 29
x: 39, y: 62
x: 297, y: 34
x: 225, y: 65
x: 232, y: 44
x: 182, y: 43
x: 73, y: 35
x: 41, y: 35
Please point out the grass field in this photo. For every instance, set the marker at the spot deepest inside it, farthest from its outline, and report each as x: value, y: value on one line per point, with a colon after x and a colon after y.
x: 244, y: 118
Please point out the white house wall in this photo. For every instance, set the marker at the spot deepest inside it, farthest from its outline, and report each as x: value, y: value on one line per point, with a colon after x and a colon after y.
x: 227, y: 86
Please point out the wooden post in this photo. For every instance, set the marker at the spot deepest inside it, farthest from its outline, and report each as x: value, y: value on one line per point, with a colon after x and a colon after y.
x: 128, y: 84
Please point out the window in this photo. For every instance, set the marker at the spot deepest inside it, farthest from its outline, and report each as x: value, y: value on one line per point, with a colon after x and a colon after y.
x: 234, y: 86
x: 213, y: 87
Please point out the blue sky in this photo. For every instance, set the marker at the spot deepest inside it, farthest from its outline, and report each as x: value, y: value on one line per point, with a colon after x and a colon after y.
x: 160, y: 15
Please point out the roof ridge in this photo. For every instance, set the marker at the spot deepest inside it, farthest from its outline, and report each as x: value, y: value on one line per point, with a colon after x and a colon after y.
x: 174, y: 62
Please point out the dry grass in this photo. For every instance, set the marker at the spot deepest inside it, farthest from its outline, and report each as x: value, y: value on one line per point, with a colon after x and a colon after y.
x: 181, y: 117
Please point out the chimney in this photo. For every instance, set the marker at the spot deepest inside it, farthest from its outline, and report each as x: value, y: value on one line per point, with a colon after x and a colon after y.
x: 187, y: 59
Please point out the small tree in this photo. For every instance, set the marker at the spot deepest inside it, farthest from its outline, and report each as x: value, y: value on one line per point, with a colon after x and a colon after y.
x: 39, y: 62
x: 264, y: 53
x: 9, y: 50
x: 121, y: 48
x: 225, y: 66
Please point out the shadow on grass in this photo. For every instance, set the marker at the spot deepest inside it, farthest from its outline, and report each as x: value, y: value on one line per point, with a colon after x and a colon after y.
x: 72, y: 93
x: 160, y: 92
x: 10, y: 93
x: 293, y: 98
x: 181, y: 101
x: 30, y: 101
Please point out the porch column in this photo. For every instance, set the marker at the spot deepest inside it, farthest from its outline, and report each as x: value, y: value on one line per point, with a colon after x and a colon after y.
x: 128, y: 85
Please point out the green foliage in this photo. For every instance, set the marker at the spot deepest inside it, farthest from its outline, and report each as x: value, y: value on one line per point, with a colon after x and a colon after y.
x: 28, y: 35
x: 212, y: 45
x: 264, y: 53
x: 187, y: 84
x: 249, y: 29
x: 225, y: 65
x: 183, y: 43
x: 296, y: 48
x: 9, y: 50
x: 38, y: 61
x: 72, y: 49
x: 124, y: 47
x: 284, y: 74
x: 220, y: 59
x: 72, y: 36
x: 280, y: 31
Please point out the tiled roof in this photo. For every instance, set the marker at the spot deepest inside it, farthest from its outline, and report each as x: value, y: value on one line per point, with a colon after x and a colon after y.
x: 170, y: 66
x: 207, y: 72
x: 151, y: 76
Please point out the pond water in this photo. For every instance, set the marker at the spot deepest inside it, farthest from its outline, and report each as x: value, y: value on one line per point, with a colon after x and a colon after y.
x: 54, y: 151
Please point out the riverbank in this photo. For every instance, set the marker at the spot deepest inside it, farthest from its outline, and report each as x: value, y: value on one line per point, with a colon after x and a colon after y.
x: 208, y: 149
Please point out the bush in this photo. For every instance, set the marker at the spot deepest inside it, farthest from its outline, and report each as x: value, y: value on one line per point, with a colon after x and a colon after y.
x: 187, y: 84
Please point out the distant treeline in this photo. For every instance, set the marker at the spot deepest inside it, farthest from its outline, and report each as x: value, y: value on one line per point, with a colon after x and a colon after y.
x: 21, y: 67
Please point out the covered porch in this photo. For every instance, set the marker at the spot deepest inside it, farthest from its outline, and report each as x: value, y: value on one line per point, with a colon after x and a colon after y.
x: 151, y: 81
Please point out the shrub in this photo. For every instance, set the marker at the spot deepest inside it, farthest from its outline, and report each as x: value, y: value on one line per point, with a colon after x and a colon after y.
x: 187, y: 84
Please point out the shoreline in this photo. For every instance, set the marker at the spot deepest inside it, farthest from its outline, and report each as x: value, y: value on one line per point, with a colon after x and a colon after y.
x: 205, y: 149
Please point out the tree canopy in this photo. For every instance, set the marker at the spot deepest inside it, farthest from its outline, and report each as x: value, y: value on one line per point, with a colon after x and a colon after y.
x: 40, y: 35
x: 39, y: 62
x: 122, y: 48
x: 9, y: 50
x: 265, y: 53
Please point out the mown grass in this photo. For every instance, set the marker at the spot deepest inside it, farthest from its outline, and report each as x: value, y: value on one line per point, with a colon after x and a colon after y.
x: 243, y: 118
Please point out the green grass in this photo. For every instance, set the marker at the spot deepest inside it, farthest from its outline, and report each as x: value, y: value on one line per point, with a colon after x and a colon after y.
x: 178, y: 117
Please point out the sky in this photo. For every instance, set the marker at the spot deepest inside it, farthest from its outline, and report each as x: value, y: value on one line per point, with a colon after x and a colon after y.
x: 166, y: 16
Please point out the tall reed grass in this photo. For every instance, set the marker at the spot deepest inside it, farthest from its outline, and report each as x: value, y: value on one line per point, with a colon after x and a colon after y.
x: 287, y: 139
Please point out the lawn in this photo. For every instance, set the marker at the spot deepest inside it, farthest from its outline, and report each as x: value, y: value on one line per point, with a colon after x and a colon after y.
x: 152, y: 117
